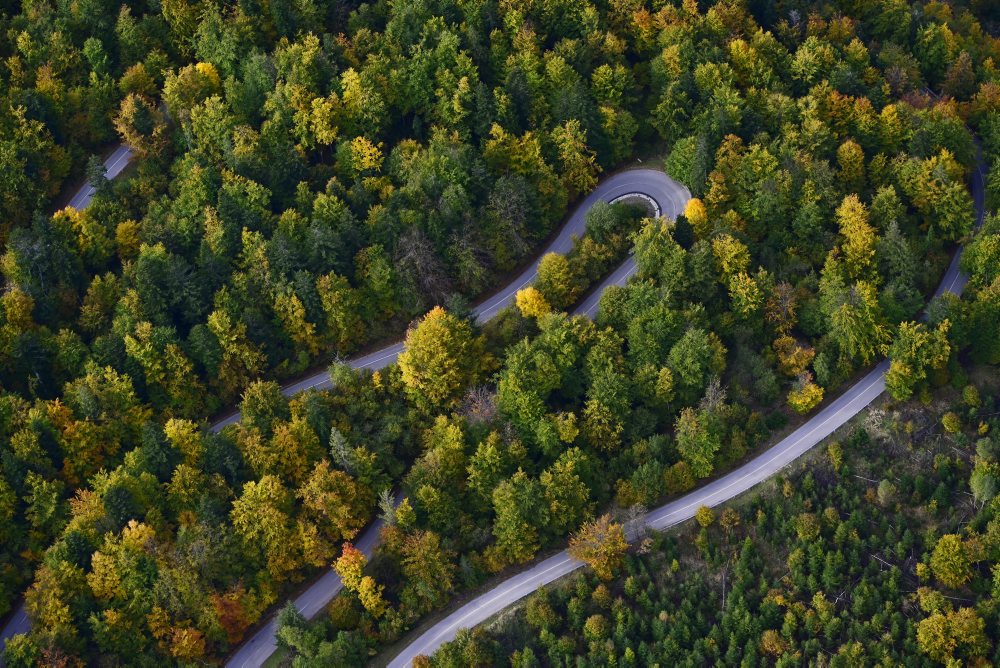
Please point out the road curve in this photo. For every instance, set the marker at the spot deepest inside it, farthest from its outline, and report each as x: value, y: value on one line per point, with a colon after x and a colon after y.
x: 670, y: 197
x: 758, y: 469
x: 113, y: 166
x: 665, y: 195
x: 738, y: 481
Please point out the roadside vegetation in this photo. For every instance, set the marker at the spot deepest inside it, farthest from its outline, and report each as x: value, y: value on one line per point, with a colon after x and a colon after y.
x: 881, y: 547
x: 313, y: 178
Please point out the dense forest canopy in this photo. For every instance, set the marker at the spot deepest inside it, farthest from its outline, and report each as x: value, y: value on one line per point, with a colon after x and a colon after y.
x: 313, y: 177
x: 872, y: 552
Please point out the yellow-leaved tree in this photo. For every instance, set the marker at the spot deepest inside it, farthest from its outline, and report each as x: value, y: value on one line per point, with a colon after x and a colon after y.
x: 601, y: 545
x: 441, y: 358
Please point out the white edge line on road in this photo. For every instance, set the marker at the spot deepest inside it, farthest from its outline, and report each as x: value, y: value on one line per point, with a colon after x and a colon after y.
x: 126, y: 154
x: 779, y: 449
x: 564, y: 560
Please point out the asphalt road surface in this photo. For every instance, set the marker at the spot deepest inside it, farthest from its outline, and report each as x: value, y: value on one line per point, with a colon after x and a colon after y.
x: 760, y: 468
x: 664, y: 195
x: 113, y: 166
x: 668, y: 198
x: 718, y: 491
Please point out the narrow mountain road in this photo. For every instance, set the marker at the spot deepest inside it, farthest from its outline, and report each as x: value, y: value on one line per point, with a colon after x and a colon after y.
x: 758, y: 469
x: 669, y: 198
x: 665, y: 195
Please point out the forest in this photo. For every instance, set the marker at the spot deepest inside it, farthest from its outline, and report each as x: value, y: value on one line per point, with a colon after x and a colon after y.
x: 314, y: 178
x: 873, y: 552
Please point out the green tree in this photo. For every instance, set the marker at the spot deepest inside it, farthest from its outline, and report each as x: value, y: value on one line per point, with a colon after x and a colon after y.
x: 171, y: 382
x: 951, y: 561
x: 377, y: 281
x: 337, y: 503
x: 493, y: 462
x: 262, y: 517
x: 859, y: 237
x: 695, y: 357
x: 523, y: 156
x: 696, y: 442
x: 263, y: 406
x: 914, y: 352
x: 944, y: 634
x: 141, y: 126
x: 658, y: 255
x: 984, y: 481
x: 556, y: 281
x: 429, y: 569
x: 578, y: 162
x: 32, y: 165
x: 341, y: 307
x: 520, y: 511
x: 856, y: 321
x: 187, y: 87
x: 565, y: 492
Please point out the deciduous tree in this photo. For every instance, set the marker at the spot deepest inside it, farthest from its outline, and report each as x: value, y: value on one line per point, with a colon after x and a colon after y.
x: 951, y: 562
x: 579, y: 163
x: 429, y: 569
x: 350, y: 566
x: 441, y: 358
x: 520, y: 511
x: 242, y: 360
x: 565, y: 492
x: 262, y: 517
x: 338, y: 504
x: 601, y: 545
x: 805, y: 395
x: 859, y: 237
x: 556, y: 281
x: 532, y: 303
x: 696, y: 442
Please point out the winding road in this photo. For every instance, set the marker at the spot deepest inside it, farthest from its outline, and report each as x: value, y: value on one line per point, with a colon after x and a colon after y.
x: 668, y: 198
x: 664, y: 195
x: 758, y: 469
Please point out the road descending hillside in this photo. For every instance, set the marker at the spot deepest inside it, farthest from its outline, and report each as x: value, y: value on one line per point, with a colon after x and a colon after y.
x: 666, y: 196
x: 758, y: 469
